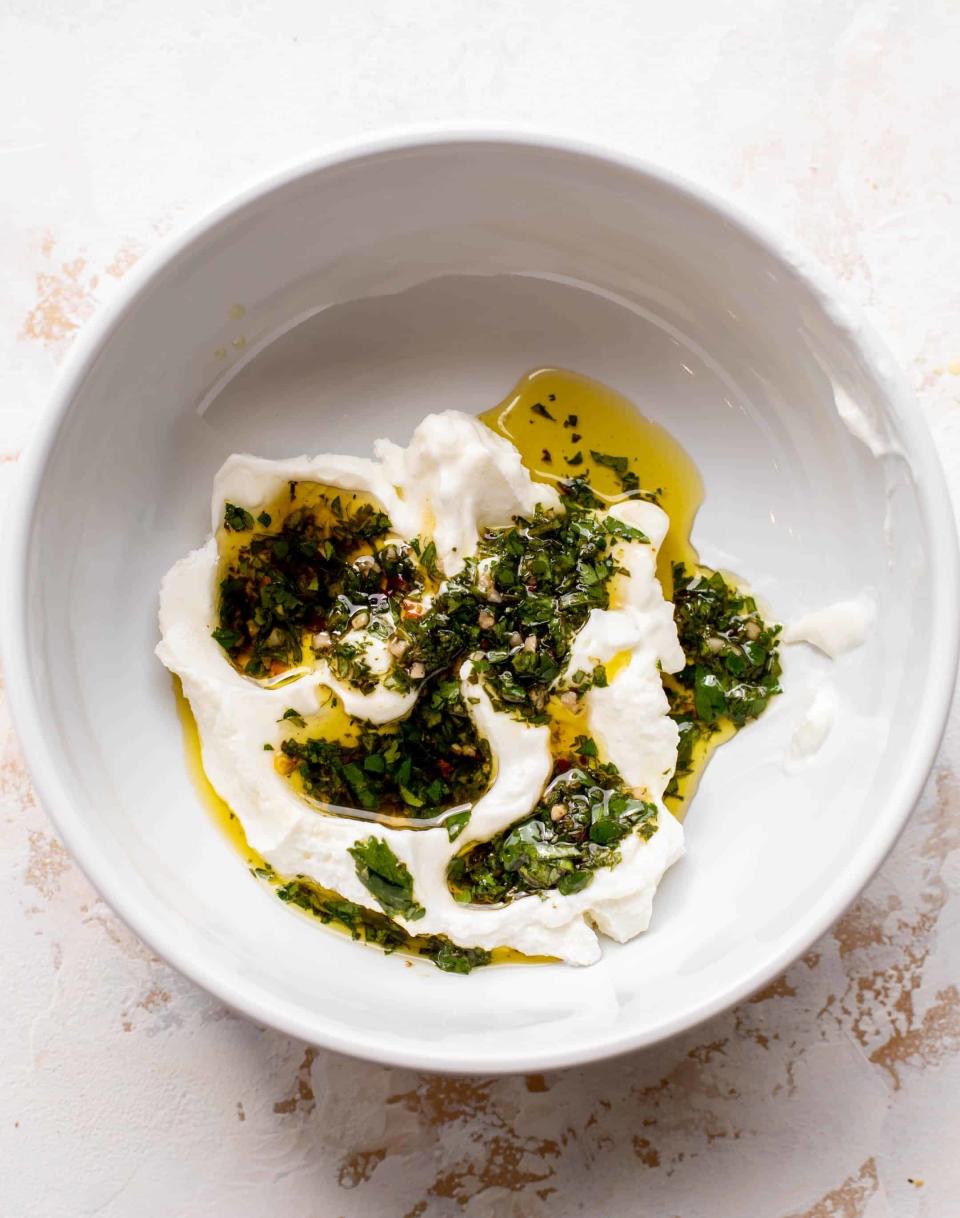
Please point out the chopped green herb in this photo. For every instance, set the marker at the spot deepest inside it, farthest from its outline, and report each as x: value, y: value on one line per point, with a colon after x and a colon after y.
x: 348, y: 662
x: 428, y: 560
x: 620, y: 466
x: 532, y: 586
x: 227, y: 639
x: 570, y: 421
x: 577, y: 491
x: 376, y: 928
x: 576, y: 459
x: 386, y: 877
x: 575, y: 829
x: 452, y: 958
x: 294, y: 716
x: 629, y: 482
x: 456, y: 824
x: 627, y: 532
x: 430, y: 760
x: 264, y: 518
x: 732, y: 661
x: 236, y: 519
x: 309, y: 576
x: 541, y: 410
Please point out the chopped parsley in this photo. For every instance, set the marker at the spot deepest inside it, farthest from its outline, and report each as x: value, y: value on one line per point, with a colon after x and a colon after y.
x: 619, y: 465
x: 348, y: 662
x: 629, y: 482
x: 732, y: 660
x: 581, y: 680
x: 427, y: 555
x: 626, y: 532
x: 575, y: 829
x: 516, y: 605
x: 237, y: 519
x: 314, y: 574
x: 386, y: 877
x: 541, y: 410
x: 371, y: 927
x: 456, y: 824
x: 733, y: 663
x: 431, y: 760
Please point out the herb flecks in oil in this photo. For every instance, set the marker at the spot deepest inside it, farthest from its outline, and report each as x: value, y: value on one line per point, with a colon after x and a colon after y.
x: 513, y: 611
x: 379, y: 929
x: 575, y: 829
x: 516, y: 606
x: 386, y: 878
x: 732, y: 665
x: 308, y: 583
x: 417, y: 767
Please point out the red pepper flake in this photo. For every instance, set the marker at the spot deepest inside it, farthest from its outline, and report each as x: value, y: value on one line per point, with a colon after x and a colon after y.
x: 412, y: 609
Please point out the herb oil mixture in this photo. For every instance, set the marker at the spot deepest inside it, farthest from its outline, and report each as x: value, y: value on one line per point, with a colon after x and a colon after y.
x: 321, y: 574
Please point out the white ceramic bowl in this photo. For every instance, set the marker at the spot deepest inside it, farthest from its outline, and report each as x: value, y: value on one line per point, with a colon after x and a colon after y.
x: 409, y: 275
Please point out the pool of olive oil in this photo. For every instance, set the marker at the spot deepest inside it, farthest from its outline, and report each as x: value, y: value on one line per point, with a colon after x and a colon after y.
x: 586, y: 417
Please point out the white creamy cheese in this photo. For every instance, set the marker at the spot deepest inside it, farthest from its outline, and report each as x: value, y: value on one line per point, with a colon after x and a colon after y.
x: 835, y: 629
x: 455, y: 478
x: 813, y: 729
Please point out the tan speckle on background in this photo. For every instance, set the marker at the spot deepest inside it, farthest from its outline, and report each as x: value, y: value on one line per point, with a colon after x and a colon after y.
x: 46, y: 863
x: 848, y: 1200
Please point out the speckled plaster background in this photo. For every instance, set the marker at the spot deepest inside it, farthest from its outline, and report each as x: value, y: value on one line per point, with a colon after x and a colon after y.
x: 127, y: 1091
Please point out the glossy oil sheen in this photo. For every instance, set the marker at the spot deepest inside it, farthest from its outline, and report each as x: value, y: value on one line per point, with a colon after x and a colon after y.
x: 608, y: 422
x: 218, y: 809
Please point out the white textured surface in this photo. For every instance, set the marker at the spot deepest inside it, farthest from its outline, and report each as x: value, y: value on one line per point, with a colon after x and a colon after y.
x: 129, y: 1092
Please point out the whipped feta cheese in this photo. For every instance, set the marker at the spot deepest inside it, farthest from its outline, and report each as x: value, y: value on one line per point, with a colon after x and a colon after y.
x: 455, y: 480
x: 835, y: 629
x: 814, y: 727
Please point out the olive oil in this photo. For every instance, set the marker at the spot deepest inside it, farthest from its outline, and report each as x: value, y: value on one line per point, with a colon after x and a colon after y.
x: 313, y: 497
x: 330, y: 722
x: 329, y: 506
x: 558, y: 420
x: 703, y: 750
x: 223, y: 817
x: 578, y: 417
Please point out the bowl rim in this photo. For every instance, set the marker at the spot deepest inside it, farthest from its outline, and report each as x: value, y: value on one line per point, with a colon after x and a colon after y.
x: 176, y: 949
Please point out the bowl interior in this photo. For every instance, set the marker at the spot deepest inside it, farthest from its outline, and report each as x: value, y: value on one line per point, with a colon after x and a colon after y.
x: 345, y: 303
